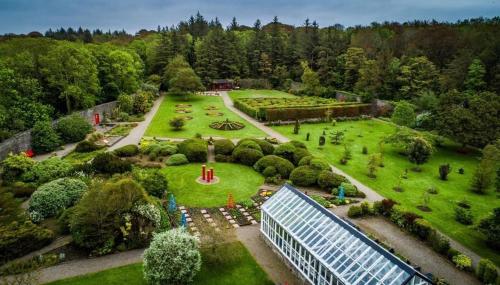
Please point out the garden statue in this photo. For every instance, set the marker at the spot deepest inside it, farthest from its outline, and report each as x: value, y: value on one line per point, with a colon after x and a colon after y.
x: 172, y: 206
x: 183, y: 220
x: 307, y: 136
x: 321, y: 141
x: 296, y: 128
x: 341, y: 193
x: 230, y: 201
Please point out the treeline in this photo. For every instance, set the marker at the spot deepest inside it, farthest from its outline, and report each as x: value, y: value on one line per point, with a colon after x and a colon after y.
x: 439, y: 67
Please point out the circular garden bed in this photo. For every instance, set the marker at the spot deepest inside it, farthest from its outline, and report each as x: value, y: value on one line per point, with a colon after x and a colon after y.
x: 227, y: 125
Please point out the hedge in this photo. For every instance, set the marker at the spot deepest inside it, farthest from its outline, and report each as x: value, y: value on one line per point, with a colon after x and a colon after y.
x: 300, y: 153
x: 73, y: 128
x: 304, y: 176
x: 224, y: 147
x: 109, y: 164
x: 285, y: 150
x: 283, y: 166
x: 328, y: 180
x: 247, y: 156
x: 194, y: 149
x: 265, y: 146
x: 286, y: 114
x: 87, y: 146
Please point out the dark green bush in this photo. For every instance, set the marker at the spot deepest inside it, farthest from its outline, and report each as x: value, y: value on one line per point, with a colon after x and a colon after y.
x: 177, y: 159
x: 463, y: 216
x: 349, y: 190
x: 305, y: 160
x: 283, y: 166
x: 285, y: 150
x: 486, y: 271
x: 15, y: 166
x: 47, y: 170
x: 422, y: 229
x: 321, y: 200
x: 439, y: 243
x: 224, y: 147
x: 249, y: 144
x: 194, y: 149
x: 63, y: 220
x: 270, y: 171
x: 20, y: 238
x: 452, y: 253
x: 299, y: 154
x: 247, y: 156
x: 266, y: 147
x: 304, y: 176
x: 298, y: 144
x: 127, y: 151
x: 21, y: 189
x: 87, y: 146
x: 355, y: 212
x: 109, y: 164
x: 73, y: 128
x: 153, y: 181
x: 319, y: 164
x: 44, y: 138
x: 223, y: 158
x: 326, y: 179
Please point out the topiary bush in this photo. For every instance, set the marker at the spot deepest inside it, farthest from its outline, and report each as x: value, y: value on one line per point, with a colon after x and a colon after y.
x: 285, y: 150
x: 44, y: 138
x: 87, y: 146
x: 249, y: 144
x: 319, y: 164
x: 223, y: 158
x: 108, y: 163
x: 270, y: 171
x: 298, y: 144
x: 486, y: 271
x: 422, y: 229
x: 349, y: 190
x: 463, y: 215
x: 462, y: 262
x: 47, y: 170
x: 247, y: 156
x: 305, y: 160
x: 194, y: 149
x: 73, y: 128
x: 299, y: 154
x: 355, y: 212
x: 173, y: 257
x: 282, y: 166
x: 177, y: 159
x: 53, y: 197
x: 266, y: 147
x: 224, y: 147
x: 327, y: 179
x: 127, y: 151
x: 159, y: 149
x: 304, y: 176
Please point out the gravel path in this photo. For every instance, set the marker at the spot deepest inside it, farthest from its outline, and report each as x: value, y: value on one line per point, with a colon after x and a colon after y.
x: 211, y: 154
x: 265, y: 257
x: 59, y: 242
x: 134, y: 137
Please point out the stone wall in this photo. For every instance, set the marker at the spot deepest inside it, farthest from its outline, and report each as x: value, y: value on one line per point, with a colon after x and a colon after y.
x: 22, y: 141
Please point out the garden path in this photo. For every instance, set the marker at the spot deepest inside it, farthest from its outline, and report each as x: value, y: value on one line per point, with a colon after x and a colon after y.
x: 211, y: 154
x: 59, y: 242
x: 275, y: 268
x: 60, y: 153
x: 134, y: 137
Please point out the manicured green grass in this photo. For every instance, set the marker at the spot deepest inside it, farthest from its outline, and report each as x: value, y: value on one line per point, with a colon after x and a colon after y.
x: 121, y: 130
x: 369, y: 133
x: 257, y: 93
x: 237, y: 267
x: 239, y: 180
x: 82, y: 157
x: 160, y: 127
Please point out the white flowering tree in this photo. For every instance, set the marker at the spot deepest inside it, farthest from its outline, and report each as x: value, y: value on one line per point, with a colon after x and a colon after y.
x: 173, y: 257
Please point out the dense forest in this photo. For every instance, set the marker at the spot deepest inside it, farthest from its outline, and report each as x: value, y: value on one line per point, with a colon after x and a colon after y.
x: 449, y: 72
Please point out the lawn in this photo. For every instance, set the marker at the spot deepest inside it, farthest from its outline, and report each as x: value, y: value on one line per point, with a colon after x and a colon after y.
x: 369, y: 133
x: 258, y: 93
x: 239, y: 180
x: 82, y: 157
x: 199, y: 124
x: 237, y: 267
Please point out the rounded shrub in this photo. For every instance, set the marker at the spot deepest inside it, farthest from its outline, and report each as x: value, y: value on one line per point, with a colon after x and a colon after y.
x: 355, y: 212
x: 269, y: 171
x: 53, y: 197
x: 266, y: 147
x: 247, y: 156
x: 44, y: 138
x: 326, y: 179
x: 153, y: 181
x: 285, y: 150
x: 109, y: 163
x: 319, y: 164
x: 282, y: 166
x: 173, y: 257
x: 299, y: 154
x: 47, y: 170
x: 127, y: 151
x: 486, y: 271
x: 304, y: 176
x: 15, y: 166
x: 73, y: 128
x: 249, y: 144
x: 349, y: 190
x: 177, y: 159
x: 298, y: 144
x: 87, y: 146
x: 305, y: 160
x: 224, y: 147
x: 194, y: 149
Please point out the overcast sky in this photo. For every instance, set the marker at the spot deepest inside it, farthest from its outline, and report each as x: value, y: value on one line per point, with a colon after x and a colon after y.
x: 23, y: 16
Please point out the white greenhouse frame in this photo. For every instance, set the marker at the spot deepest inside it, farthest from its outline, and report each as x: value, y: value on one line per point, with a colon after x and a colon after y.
x: 326, y: 249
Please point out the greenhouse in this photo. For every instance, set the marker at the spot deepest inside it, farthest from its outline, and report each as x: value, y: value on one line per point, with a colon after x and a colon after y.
x: 325, y: 249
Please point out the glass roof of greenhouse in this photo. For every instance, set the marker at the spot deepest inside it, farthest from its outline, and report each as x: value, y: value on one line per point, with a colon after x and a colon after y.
x: 348, y: 253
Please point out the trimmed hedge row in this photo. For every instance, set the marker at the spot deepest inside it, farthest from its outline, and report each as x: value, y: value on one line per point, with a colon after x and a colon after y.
x: 285, y: 114
x: 196, y: 150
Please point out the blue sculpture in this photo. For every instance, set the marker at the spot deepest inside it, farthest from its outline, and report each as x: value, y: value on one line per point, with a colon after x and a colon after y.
x: 172, y: 206
x: 341, y: 193
x: 183, y: 220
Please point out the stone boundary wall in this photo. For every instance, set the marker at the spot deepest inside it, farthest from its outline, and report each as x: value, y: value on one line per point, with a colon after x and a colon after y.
x: 22, y: 141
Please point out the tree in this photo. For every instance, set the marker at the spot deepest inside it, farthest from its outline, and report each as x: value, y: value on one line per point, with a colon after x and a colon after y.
x: 70, y: 71
x: 419, y: 151
x: 369, y: 81
x: 417, y: 75
x: 485, y: 171
x: 185, y: 82
x: 475, y: 76
x: 373, y: 162
x: 73, y: 128
x: 44, y: 138
x: 125, y: 70
x: 173, y: 257
x: 172, y: 68
x: 296, y: 127
x: 310, y: 79
x: 404, y: 114
x: 354, y: 59
x: 490, y: 227
x: 177, y: 123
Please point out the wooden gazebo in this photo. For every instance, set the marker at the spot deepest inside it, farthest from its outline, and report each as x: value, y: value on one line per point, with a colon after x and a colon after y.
x: 222, y: 84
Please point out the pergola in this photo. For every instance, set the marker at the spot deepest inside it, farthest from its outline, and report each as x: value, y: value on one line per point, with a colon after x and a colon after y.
x: 325, y: 249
